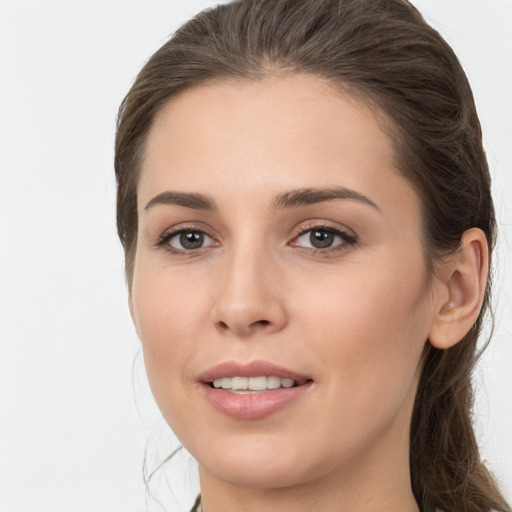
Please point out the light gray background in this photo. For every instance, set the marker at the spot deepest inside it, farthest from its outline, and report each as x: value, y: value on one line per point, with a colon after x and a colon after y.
x: 73, y: 430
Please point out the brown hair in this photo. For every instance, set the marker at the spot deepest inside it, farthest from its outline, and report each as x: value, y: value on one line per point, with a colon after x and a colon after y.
x: 381, y: 50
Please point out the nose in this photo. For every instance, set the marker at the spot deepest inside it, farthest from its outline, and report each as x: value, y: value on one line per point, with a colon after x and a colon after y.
x: 250, y: 296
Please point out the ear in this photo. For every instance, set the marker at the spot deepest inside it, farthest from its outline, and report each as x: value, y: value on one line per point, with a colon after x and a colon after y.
x: 464, y: 282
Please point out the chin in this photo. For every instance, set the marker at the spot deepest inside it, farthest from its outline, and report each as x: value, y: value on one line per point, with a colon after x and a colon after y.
x: 250, y: 476
x: 255, y: 467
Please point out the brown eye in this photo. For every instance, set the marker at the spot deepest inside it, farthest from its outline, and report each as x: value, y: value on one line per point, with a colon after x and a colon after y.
x: 189, y: 240
x: 321, y: 239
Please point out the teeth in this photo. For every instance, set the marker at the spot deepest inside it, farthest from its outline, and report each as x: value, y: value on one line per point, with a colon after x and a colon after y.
x: 287, y: 383
x: 239, y: 383
x: 252, y: 383
x: 273, y: 382
x: 257, y: 383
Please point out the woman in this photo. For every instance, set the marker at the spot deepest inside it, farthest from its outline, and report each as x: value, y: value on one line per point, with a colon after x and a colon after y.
x: 304, y: 204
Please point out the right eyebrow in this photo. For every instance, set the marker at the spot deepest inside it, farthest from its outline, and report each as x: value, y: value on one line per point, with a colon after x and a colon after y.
x: 194, y: 201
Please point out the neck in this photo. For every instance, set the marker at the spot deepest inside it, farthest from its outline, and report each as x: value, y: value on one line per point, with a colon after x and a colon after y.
x: 340, y: 498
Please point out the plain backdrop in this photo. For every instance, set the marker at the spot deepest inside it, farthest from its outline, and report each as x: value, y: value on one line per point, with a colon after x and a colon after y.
x: 76, y: 417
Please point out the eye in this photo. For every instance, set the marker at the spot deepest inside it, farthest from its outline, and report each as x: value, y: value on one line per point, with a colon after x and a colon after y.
x: 323, y: 238
x: 186, y: 240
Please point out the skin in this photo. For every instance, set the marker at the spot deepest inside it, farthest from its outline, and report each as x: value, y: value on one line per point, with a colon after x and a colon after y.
x: 354, y: 317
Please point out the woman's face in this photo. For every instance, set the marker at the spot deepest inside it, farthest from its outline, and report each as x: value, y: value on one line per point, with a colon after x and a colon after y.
x: 277, y: 239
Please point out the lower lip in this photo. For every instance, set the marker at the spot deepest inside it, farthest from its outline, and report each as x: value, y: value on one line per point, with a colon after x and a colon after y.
x: 255, y: 405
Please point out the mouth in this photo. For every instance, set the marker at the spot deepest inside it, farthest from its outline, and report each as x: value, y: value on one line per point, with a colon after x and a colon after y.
x: 254, y: 390
x: 254, y: 385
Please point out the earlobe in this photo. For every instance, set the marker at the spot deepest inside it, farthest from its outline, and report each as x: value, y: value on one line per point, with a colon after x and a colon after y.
x: 465, y: 284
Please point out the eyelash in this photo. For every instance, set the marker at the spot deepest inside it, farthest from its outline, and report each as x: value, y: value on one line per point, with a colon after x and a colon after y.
x: 346, y: 239
x: 164, y: 240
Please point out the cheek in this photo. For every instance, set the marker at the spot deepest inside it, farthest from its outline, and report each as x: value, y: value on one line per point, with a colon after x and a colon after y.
x: 369, y: 329
x: 169, y: 312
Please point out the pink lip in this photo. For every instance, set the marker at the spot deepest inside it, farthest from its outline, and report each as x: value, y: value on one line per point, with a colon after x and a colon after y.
x: 251, y: 406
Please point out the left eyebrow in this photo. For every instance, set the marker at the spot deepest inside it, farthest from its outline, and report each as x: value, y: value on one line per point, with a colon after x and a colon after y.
x: 306, y: 196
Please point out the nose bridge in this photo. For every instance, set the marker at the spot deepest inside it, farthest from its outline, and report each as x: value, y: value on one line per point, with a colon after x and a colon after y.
x: 248, y: 298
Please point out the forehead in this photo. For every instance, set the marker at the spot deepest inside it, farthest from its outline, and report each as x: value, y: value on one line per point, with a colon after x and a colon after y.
x: 269, y: 111
x: 269, y: 135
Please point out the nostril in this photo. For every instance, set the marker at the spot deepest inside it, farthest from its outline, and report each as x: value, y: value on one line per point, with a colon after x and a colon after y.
x: 244, y: 328
x: 260, y: 324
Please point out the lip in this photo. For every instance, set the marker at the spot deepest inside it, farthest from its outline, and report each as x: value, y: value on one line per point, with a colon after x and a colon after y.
x: 257, y: 405
x: 251, y: 369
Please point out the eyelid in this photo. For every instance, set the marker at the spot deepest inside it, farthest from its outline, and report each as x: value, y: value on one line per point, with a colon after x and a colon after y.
x: 168, y: 234
x: 347, y: 235
x: 321, y: 224
x: 207, y: 239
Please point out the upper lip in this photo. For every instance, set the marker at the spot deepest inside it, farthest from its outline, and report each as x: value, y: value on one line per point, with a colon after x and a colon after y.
x: 250, y: 369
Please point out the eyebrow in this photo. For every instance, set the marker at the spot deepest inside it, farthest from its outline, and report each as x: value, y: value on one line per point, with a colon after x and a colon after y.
x: 306, y: 196
x: 194, y: 201
x: 291, y: 199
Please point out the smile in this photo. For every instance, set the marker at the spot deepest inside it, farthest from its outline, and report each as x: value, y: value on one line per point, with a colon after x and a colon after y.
x: 253, y: 390
x: 248, y: 385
